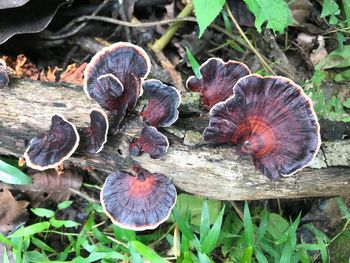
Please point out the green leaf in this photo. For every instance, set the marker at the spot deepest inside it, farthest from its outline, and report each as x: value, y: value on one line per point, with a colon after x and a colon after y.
x: 190, y: 203
x: 66, y: 223
x: 205, y: 225
x: 212, y: 238
x: 287, y: 252
x: 4, y: 240
x: 64, y: 204
x: 339, y: 58
x: 248, y: 226
x: 277, y: 225
x: 42, y: 245
x: 260, y: 256
x: 12, y: 175
x: 34, y: 256
x: 266, y: 11
x: 194, y: 64
x: 247, y: 255
x: 330, y: 7
x: 347, y: 103
x: 182, y: 224
x: 31, y: 230
x: 262, y: 226
x: 135, y: 256
x: 206, y: 11
x: 147, y: 252
x: 343, y: 208
x: 43, y: 212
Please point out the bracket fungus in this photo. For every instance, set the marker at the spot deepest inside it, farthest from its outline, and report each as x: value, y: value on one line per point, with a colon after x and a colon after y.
x: 150, y: 141
x: 270, y: 118
x: 138, y: 202
x: 96, y: 133
x: 218, y: 79
x: 55, y: 146
x: 163, y: 101
x: 114, y: 77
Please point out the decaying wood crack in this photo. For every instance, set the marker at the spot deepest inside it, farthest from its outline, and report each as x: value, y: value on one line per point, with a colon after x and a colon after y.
x: 218, y: 173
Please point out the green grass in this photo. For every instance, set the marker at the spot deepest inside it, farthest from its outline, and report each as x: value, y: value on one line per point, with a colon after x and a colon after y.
x: 261, y: 236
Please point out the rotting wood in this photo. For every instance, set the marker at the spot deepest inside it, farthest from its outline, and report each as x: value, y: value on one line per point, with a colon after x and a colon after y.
x: 27, y: 107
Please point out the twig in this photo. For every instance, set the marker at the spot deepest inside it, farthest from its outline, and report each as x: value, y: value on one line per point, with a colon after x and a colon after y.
x: 165, y: 38
x: 261, y: 59
x: 80, y: 27
x: 115, y: 22
x: 238, y: 210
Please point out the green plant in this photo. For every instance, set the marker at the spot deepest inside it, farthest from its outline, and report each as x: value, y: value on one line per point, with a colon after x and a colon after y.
x: 12, y: 175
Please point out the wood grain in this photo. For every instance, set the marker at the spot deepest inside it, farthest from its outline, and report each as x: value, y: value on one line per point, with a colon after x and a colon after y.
x: 27, y: 107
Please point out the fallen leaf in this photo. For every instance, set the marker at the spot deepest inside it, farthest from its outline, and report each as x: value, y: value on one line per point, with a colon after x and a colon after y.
x: 12, y: 212
x: 300, y: 9
x: 73, y: 74
x: 48, y: 186
x: 319, y: 53
x: 21, y: 67
x: 49, y: 75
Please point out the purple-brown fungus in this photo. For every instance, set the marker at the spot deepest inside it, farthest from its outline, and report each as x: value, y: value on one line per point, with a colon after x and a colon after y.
x: 163, y: 101
x: 138, y: 202
x: 218, y: 79
x: 271, y: 119
x: 150, y: 141
x: 55, y: 146
x: 114, y: 77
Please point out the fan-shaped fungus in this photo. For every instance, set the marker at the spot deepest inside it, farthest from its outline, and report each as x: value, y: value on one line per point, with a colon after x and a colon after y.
x: 150, y: 141
x: 138, y: 202
x: 163, y: 101
x: 270, y: 118
x: 55, y: 146
x: 114, y: 77
x: 96, y: 133
x: 218, y: 79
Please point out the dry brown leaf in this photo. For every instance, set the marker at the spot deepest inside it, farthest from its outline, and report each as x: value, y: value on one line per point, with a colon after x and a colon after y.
x: 301, y: 9
x: 22, y: 67
x: 73, y: 74
x: 49, y: 75
x: 12, y: 212
x: 47, y: 185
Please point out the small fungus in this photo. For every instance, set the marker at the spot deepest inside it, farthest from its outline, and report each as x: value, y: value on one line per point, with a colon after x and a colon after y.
x: 218, y: 79
x: 270, y: 118
x: 114, y: 77
x: 55, y: 146
x: 150, y: 141
x: 96, y: 133
x: 163, y: 101
x: 139, y: 202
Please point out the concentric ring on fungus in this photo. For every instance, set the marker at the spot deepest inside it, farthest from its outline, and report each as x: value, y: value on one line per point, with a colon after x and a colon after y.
x: 270, y: 118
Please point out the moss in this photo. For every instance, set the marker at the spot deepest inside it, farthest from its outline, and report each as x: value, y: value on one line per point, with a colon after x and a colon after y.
x: 193, y: 138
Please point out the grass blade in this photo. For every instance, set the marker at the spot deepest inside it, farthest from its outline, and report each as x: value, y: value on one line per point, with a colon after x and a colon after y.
x: 31, y: 230
x: 147, y: 252
x: 213, y: 235
x: 205, y: 225
x: 12, y: 175
x: 194, y: 64
x: 248, y: 226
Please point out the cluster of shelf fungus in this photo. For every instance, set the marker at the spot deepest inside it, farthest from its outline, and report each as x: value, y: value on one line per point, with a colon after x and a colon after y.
x: 269, y: 118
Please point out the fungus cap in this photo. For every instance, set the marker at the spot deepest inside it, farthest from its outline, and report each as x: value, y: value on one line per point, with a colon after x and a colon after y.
x: 218, y: 79
x: 163, y: 101
x: 150, y: 141
x: 97, y: 131
x: 55, y: 146
x: 138, y: 202
x: 270, y: 118
x: 114, y: 76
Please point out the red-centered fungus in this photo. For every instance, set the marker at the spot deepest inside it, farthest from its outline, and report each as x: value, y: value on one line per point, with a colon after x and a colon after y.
x: 96, y: 133
x: 218, y: 79
x: 114, y: 77
x: 163, y: 101
x: 270, y: 118
x: 150, y: 141
x: 55, y: 146
x: 138, y: 202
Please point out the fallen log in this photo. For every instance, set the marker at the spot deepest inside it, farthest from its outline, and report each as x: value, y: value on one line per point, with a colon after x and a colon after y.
x: 219, y: 173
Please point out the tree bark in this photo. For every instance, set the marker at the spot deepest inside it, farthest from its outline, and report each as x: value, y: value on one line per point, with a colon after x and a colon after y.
x: 219, y: 173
